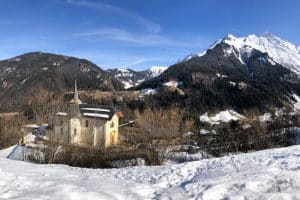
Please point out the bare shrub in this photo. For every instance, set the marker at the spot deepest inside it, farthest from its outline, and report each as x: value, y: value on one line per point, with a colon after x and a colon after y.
x: 10, y: 133
x: 161, y: 128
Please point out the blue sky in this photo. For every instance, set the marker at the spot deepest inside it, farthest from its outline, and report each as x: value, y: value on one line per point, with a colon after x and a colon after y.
x: 137, y: 33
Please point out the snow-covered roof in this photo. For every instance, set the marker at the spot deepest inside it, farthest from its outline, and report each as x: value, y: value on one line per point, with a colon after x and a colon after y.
x: 96, y: 115
x: 97, y: 111
x: 62, y: 113
x: 31, y: 126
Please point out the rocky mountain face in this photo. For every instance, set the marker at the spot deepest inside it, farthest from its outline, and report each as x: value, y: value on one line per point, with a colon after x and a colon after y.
x: 26, y: 76
x: 242, y: 73
x: 131, y: 78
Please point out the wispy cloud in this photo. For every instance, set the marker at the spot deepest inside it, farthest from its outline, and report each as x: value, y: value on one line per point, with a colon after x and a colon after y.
x: 139, y: 61
x: 144, y: 39
x: 149, y: 25
x: 123, y: 36
x: 107, y: 60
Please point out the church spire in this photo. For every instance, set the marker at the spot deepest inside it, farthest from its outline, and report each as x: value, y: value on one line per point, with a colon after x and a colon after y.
x: 75, y: 92
x: 76, y: 98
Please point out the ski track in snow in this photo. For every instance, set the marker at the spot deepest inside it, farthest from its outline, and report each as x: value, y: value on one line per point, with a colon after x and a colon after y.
x: 268, y: 174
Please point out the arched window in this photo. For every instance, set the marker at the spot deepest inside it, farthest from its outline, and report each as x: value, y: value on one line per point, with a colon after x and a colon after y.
x: 86, y: 123
x: 75, y: 131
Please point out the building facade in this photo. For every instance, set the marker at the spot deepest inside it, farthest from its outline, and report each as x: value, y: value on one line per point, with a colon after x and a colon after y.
x: 87, y: 125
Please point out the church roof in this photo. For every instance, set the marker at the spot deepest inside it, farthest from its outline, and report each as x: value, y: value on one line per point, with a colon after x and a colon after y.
x: 97, y: 111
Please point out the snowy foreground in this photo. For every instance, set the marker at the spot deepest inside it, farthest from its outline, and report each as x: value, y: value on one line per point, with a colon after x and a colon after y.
x: 269, y: 174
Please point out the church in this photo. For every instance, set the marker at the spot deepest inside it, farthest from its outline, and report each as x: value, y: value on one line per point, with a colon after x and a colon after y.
x: 87, y: 125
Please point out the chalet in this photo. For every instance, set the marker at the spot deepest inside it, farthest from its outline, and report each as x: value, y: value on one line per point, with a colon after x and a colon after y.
x: 87, y: 125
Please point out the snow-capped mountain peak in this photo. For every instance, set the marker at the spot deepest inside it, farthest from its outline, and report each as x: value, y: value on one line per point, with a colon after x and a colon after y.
x: 131, y: 78
x: 279, y: 50
x: 123, y: 69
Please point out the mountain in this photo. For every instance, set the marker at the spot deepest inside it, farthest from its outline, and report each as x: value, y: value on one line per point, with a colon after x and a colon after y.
x: 26, y: 76
x: 249, y: 72
x: 131, y: 78
x: 279, y: 50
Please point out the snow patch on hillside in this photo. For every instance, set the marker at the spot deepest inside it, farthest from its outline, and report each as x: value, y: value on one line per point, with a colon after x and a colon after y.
x: 157, y: 70
x: 223, y: 116
x: 173, y: 84
x: 127, y: 84
x: 123, y: 72
x: 296, y: 103
x: 149, y: 91
x: 266, y: 117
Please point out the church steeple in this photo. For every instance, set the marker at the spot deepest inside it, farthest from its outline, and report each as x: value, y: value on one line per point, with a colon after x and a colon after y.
x: 75, y: 92
x: 76, y: 97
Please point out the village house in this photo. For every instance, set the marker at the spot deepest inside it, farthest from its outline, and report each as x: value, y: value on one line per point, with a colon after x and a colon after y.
x: 87, y: 125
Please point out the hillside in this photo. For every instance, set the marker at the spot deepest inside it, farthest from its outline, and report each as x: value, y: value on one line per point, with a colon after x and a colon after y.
x: 29, y: 75
x: 268, y: 174
x: 236, y: 73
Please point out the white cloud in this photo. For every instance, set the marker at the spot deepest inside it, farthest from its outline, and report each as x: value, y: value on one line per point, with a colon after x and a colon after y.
x: 139, y: 61
x: 145, y: 39
x: 124, y: 36
x: 149, y: 25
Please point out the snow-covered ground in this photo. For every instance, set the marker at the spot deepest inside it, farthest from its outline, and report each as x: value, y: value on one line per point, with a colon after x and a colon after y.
x: 268, y: 174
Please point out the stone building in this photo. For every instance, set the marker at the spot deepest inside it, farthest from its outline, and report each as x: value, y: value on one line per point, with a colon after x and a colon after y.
x: 87, y: 125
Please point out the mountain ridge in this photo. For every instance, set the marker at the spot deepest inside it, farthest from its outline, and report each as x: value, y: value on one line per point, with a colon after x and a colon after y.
x: 131, y: 78
x: 231, y: 74
x: 280, y: 50
x: 25, y: 76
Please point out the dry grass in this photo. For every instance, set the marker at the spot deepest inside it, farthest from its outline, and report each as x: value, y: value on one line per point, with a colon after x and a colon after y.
x: 10, y: 132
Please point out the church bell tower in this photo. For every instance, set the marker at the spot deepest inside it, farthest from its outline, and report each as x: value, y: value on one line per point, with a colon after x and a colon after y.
x: 74, y: 103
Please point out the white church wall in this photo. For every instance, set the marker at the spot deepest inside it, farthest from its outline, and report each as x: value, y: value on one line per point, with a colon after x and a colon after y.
x: 75, y: 131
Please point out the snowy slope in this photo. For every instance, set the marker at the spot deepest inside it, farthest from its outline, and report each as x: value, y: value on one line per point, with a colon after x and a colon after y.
x: 131, y: 78
x: 268, y: 174
x: 155, y: 71
x: 279, y: 50
x: 223, y: 116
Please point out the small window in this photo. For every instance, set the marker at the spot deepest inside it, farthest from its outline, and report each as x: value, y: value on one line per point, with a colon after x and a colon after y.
x: 61, y: 122
x: 75, y: 131
x: 112, y: 124
x: 61, y: 130
x: 86, y: 123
